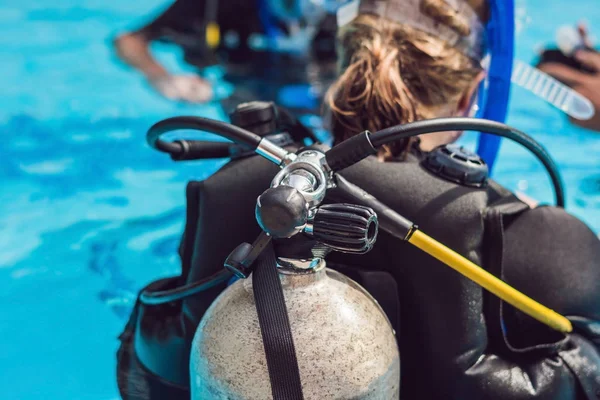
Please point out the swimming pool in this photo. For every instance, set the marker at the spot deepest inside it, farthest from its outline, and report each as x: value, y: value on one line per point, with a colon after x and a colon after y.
x: 90, y: 214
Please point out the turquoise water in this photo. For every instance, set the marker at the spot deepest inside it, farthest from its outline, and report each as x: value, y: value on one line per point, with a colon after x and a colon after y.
x: 90, y: 214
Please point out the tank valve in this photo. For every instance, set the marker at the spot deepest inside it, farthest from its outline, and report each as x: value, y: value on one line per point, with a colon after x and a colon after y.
x: 344, y: 227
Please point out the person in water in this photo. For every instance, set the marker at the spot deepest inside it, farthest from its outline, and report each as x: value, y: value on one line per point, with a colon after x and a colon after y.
x: 263, y: 45
x: 586, y: 82
x: 403, y: 61
x: 456, y: 340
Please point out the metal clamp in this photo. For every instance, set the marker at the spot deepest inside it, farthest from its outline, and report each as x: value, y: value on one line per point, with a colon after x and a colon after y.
x: 306, y: 174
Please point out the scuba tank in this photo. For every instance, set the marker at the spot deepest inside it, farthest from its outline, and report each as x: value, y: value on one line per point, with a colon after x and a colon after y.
x: 289, y: 216
x: 345, y: 345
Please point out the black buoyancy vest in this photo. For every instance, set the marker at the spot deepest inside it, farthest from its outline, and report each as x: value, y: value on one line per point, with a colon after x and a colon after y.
x: 456, y: 341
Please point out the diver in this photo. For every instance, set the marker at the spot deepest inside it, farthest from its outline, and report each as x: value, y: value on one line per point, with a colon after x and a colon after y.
x: 577, y: 64
x: 404, y: 61
x: 262, y: 45
x: 455, y: 340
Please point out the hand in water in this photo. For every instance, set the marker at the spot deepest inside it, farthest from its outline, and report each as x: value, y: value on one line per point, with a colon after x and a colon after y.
x: 587, y: 84
x: 189, y: 88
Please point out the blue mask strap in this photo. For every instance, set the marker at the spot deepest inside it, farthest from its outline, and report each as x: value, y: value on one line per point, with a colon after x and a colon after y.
x: 501, y: 37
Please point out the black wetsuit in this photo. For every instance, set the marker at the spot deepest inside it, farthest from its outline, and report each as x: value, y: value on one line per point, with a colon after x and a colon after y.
x: 256, y: 74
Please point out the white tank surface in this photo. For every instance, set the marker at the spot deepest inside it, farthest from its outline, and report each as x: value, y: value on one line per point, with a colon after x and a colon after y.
x: 345, y: 345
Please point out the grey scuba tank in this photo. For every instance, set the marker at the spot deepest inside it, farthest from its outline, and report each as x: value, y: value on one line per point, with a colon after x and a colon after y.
x: 345, y: 345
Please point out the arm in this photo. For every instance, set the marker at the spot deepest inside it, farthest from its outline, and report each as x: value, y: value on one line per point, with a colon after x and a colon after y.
x: 133, y: 49
x: 587, y: 84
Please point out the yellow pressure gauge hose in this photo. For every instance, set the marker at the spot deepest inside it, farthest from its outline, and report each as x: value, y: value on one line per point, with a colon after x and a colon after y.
x: 490, y: 282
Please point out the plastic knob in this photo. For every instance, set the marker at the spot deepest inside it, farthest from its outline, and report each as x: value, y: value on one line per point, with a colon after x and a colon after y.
x: 457, y: 164
x: 345, y: 227
x: 282, y: 211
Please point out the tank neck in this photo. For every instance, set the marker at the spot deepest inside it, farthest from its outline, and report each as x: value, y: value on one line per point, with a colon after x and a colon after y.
x: 295, y: 273
x: 293, y: 266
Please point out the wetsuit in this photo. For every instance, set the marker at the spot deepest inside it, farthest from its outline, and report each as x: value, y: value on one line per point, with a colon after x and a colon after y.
x: 257, y: 73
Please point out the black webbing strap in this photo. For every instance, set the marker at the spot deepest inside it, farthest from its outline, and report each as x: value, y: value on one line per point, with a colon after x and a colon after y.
x: 275, y: 328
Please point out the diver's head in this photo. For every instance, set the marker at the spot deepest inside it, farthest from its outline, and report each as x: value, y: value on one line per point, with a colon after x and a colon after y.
x: 392, y: 72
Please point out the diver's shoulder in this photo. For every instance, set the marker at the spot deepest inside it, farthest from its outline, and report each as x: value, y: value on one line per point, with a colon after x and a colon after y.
x: 409, y: 179
x: 563, y: 223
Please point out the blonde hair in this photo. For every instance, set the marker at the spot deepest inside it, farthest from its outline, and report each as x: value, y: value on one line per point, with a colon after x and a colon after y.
x: 395, y: 74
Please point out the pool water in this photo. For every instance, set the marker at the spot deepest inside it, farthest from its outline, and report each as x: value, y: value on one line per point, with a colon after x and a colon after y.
x: 90, y: 214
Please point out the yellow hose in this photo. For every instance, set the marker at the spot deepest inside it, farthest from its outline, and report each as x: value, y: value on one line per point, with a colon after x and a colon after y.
x: 490, y: 282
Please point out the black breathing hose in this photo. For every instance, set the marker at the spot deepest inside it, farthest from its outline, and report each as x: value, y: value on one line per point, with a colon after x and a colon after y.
x: 224, y: 129
x: 471, y: 124
x: 155, y: 298
x: 361, y: 146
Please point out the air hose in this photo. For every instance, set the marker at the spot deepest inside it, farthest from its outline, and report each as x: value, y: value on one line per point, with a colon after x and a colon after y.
x: 405, y: 230
x: 358, y: 147
x: 361, y: 146
x: 153, y: 298
x: 489, y: 282
x: 228, y: 131
x: 265, y: 115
